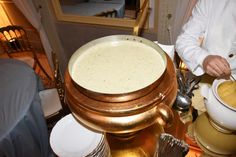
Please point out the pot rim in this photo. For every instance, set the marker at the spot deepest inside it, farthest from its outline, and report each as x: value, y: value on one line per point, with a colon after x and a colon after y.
x: 117, y: 97
x: 215, y: 86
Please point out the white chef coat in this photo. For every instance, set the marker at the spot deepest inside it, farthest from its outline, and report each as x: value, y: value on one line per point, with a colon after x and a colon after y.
x: 215, y: 21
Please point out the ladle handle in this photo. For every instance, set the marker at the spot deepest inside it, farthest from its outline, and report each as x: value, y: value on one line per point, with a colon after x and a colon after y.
x: 232, y: 77
x: 166, y: 117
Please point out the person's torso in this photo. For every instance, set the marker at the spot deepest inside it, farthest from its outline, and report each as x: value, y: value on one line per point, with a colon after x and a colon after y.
x: 221, y: 27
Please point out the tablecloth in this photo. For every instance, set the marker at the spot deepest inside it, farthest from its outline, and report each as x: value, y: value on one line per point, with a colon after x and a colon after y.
x: 23, y: 131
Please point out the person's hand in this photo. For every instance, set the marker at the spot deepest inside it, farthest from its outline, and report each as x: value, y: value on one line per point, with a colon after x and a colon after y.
x: 216, y: 66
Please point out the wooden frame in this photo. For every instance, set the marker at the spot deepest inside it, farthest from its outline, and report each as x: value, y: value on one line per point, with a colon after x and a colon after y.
x: 116, y: 22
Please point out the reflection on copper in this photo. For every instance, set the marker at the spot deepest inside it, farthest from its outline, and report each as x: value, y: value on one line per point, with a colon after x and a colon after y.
x: 182, y: 65
x: 141, y: 144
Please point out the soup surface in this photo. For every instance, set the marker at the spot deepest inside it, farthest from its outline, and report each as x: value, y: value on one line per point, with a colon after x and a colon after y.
x: 118, y: 67
x: 227, y: 92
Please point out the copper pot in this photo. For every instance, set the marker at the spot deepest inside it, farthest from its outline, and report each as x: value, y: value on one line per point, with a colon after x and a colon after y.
x: 124, y: 112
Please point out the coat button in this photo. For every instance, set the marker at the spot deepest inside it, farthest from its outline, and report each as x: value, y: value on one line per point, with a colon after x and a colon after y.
x: 231, y: 55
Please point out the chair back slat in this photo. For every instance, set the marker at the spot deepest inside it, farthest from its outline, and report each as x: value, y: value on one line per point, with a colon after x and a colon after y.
x: 14, y: 41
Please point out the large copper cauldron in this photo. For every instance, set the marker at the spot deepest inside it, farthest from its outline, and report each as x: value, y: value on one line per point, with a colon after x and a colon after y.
x: 124, y: 112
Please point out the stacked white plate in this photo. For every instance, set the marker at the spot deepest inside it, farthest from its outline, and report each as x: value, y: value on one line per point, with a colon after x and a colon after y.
x: 71, y: 139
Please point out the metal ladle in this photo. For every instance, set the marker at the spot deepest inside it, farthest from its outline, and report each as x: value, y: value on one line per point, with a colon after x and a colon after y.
x: 181, y: 82
x: 182, y: 102
x: 232, y: 77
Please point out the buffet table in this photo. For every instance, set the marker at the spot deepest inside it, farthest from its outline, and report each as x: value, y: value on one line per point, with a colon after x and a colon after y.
x: 23, y: 131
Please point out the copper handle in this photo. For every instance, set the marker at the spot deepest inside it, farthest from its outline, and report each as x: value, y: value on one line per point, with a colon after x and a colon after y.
x: 166, y: 116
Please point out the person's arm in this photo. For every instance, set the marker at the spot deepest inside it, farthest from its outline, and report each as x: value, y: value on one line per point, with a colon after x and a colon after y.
x: 187, y: 44
x: 198, y: 59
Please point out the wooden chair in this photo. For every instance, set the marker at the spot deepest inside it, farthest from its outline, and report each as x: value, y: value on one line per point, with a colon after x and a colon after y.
x: 15, y: 44
x: 52, y: 100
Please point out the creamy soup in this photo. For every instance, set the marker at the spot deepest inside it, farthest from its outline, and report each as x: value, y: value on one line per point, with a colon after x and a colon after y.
x: 227, y: 92
x: 118, y: 67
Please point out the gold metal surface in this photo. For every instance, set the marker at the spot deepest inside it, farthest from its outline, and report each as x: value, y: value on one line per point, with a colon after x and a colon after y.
x: 141, y: 144
x: 212, y: 141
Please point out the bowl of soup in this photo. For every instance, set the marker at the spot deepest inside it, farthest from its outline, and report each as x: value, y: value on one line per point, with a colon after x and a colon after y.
x: 220, y: 102
x: 121, y: 84
x: 226, y: 93
x: 117, y: 68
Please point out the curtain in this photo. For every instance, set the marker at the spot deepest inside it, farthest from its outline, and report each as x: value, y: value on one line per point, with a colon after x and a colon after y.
x: 34, y: 17
x: 4, y: 19
x: 182, y: 12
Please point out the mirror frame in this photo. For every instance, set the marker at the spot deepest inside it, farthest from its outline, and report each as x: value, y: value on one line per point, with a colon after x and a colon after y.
x: 117, y: 22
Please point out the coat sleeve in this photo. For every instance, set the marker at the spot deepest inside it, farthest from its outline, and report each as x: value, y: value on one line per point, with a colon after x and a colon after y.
x: 187, y: 44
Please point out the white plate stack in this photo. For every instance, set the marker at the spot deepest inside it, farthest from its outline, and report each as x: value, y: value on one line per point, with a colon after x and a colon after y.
x: 71, y: 139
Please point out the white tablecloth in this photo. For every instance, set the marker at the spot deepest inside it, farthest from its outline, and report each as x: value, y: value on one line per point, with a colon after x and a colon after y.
x: 169, y: 49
